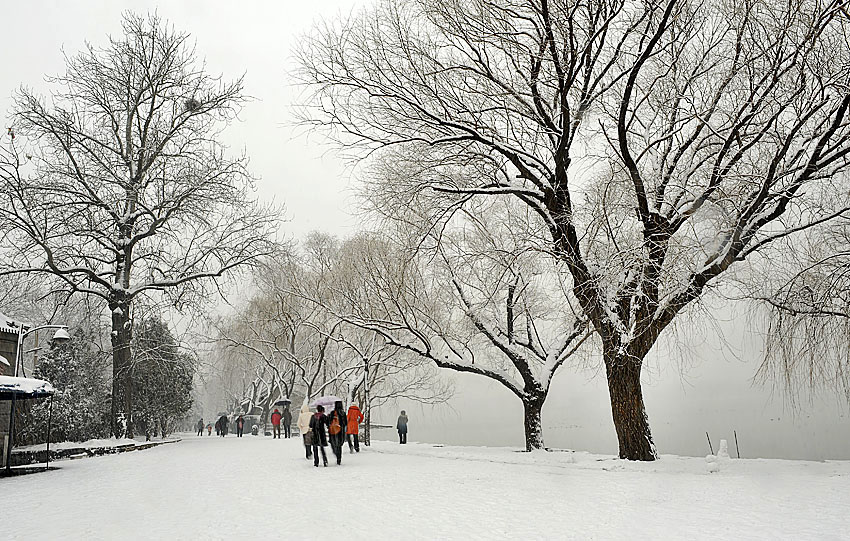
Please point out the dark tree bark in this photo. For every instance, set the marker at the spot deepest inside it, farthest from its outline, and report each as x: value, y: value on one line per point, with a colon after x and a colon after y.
x: 122, y: 368
x: 532, y: 416
x: 627, y: 408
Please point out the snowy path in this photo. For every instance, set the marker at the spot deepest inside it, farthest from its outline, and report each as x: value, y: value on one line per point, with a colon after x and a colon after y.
x: 210, y: 488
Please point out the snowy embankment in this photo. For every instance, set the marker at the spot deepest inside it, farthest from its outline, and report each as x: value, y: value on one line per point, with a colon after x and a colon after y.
x: 90, y: 444
x: 256, y: 487
x: 35, y: 454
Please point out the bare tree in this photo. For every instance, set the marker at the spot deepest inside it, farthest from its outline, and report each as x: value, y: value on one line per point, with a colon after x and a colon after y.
x: 118, y: 183
x: 481, y: 307
x: 714, y: 129
x: 286, y: 327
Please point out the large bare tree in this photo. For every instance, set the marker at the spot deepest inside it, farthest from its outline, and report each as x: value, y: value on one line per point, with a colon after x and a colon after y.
x: 658, y: 142
x: 118, y: 184
x: 482, y: 306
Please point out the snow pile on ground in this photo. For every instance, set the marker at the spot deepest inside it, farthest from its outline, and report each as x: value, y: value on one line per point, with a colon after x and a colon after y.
x: 89, y: 444
x: 256, y: 487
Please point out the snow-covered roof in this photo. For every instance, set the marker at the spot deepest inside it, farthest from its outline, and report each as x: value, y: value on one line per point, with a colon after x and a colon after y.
x: 24, y: 388
x: 9, y: 325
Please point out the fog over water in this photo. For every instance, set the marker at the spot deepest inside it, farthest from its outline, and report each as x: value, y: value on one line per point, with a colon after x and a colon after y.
x: 714, y: 393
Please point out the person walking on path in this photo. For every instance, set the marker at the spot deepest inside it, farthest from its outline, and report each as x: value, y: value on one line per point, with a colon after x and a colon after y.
x: 223, y: 422
x: 218, y: 427
x: 276, y: 416
x: 336, y: 430
x: 320, y: 440
x: 352, y: 431
x: 401, y: 425
x: 209, y: 429
x: 240, y: 426
x: 304, y: 427
x: 287, y: 422
x: 200, y: 427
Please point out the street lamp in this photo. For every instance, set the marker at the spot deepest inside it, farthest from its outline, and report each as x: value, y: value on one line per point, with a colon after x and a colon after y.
x: 60, y: 335
x: 367, y: 436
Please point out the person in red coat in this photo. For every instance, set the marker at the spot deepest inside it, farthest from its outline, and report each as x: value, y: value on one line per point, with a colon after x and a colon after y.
x: 276, y: 416
x: 355, y: 417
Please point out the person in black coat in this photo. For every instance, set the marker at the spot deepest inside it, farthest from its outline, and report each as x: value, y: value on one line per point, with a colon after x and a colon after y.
x: 337, y: 420
x: 222, y: 423
x: 286, y: 421
x: 317, y: 424
x: 401, y: 425
x: 200, y: 427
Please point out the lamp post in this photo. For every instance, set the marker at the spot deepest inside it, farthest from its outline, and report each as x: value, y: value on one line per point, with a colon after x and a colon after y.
x: 367, y: 431
x: 60, y: 335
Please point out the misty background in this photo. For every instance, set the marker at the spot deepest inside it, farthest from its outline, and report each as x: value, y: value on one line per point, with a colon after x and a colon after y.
x: 703, y: 384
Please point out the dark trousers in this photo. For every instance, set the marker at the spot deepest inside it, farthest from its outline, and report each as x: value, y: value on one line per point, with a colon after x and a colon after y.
x: 402, y: 437
x: 275, y: 431
x: 356, y: 445
x: 239, y: 430
x: 287, y: 431
x: 309, y: 451
x: 336, y: 447
x: 200, y: 432
x: 316, y: 455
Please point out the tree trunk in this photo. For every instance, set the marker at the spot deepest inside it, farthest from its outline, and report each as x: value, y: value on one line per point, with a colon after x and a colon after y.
x: 533, y: 424
x: 122, y: 369
x: 627, y: 408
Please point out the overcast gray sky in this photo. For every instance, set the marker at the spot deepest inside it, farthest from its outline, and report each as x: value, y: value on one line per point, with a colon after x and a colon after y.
x: 254, y: 37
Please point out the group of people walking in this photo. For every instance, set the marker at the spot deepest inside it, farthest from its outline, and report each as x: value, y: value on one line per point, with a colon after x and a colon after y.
x: 337, y: 427
x: 317, y: 429
x: 221, y: 426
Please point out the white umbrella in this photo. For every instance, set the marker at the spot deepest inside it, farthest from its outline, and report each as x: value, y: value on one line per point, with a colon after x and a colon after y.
x: 327, y: 401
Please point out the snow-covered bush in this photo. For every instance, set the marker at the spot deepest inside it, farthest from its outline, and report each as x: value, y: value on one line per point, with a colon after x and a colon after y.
x: 80, y: 408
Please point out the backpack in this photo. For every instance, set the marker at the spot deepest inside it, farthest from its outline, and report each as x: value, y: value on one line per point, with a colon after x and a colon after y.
x: 335, y: 428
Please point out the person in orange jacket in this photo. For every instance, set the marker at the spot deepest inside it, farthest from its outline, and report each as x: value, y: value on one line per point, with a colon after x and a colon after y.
x: 276, y: 424
x: 355, y: 417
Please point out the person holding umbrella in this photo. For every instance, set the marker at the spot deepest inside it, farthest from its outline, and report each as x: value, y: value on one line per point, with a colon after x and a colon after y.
x: 337, y: 422
x: 320, y: 440
x: 223, y: 422
x: 287, y: 422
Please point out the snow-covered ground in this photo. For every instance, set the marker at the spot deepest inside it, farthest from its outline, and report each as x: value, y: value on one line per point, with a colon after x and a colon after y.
x: 89, y: 444
x: 256, y: 487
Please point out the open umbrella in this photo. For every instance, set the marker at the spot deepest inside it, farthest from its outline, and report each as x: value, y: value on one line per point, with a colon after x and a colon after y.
x: 283, y: 402
x: 326, y: 401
